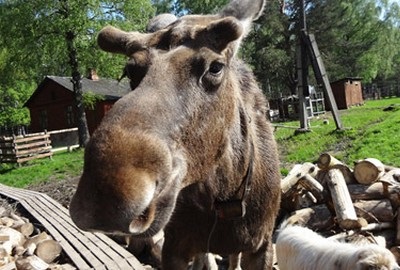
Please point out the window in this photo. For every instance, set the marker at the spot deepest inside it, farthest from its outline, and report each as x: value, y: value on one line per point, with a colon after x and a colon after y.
x: 70, y: 116
x: 43, y: 120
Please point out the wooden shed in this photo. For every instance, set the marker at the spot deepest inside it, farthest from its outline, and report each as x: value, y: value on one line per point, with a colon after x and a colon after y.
x: 51, y: 106
x: 347, y: 92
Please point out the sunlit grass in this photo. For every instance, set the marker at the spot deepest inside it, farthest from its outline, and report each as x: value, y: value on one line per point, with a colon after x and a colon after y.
x: 370, y: 131
x: 61, y: 166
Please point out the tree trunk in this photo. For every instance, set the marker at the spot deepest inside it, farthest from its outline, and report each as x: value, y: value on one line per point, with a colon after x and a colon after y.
x: 83, y: 130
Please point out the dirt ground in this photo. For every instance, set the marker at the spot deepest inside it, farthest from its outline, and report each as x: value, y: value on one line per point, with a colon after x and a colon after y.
x: 60, y: 190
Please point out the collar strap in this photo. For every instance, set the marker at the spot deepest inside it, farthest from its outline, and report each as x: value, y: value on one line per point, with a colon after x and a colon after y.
x: 236, y: 208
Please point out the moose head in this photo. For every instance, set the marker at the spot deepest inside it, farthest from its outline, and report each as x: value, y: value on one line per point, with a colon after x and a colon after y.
x: 195, y: 116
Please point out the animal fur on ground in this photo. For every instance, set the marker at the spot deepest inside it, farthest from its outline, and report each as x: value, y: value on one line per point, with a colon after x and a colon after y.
x: 302, y: 249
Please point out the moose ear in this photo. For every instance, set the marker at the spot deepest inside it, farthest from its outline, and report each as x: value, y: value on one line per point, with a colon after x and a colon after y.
x: 111, y: 39
x: 114, y: 40
x: 245, y: 11
x: 221, y: 33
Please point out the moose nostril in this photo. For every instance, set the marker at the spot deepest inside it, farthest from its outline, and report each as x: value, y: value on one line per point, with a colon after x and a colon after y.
x: 142, y: 222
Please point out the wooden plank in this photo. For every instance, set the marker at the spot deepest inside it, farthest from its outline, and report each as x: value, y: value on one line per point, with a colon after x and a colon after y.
x: 72, y: 232
x: 115, y: 256
x: 20, y: 160
x: 62, y: 130
x: 67, y: 247
x: 107, y: 247
x: 33, y: 151
x: 92, y: 253
x: 29, y: 139
x: 32, y: 145
x: 105, y: 241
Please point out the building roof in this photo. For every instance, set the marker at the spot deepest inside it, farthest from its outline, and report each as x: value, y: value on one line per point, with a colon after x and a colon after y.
x: 109, y: 88
x: 347, y: 79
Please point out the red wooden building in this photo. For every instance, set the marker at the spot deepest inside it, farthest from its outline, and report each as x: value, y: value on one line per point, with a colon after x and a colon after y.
x: 52, y: 107
x: 347, y: 92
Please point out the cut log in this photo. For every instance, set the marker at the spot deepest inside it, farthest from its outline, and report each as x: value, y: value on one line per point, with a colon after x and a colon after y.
x: 31, y: 263
x: 347, y: 172
x: 9, y: 266
x: 345, y: 212
x: 391, y: 177
x: 313, y: 186
x: 15, y: 237
x: 294, y: 176
x: 326, y: 161
x: 363, y: 192
x: 375, y: 210
x: 37, y: 239
x: 48, y: 250
x: 394, y: 195
x: 317, y: 217
x: 390, y: 168
x: 378, y: 226
x: 368, y: 170
x: 376, y: 191
x: 26, y: 229
x: 7, y: 221
x: 398, y: 227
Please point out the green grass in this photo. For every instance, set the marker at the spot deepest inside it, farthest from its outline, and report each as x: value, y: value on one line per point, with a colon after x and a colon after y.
x: 61, y: 166
x: 369, y: 132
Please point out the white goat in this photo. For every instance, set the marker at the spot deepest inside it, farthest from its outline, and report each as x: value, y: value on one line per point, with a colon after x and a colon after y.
x: 302, y: 249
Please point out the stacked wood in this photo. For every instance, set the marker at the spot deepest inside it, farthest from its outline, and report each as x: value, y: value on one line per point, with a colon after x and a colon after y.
x: 335, y: 199
x: 24, y: 247
x: 19, y: 149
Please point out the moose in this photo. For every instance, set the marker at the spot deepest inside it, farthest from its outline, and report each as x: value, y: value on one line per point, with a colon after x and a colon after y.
x: 189, y: 150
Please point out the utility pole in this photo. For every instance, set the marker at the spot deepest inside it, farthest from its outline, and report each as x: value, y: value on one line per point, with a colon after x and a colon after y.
x: 302, y: 71
x: 308, y: 50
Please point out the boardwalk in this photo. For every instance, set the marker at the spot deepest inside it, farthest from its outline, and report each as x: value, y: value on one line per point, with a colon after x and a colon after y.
x: 86, y: 250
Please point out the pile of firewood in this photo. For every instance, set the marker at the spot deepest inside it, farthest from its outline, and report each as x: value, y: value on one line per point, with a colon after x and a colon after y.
x: 344, y: 202
x: 24, y: 247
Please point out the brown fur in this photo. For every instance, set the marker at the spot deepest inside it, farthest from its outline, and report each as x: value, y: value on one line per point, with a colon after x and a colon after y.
x: 182, y: 140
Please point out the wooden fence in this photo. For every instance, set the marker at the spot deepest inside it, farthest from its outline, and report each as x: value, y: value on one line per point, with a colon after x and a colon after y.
x: 19, y: 149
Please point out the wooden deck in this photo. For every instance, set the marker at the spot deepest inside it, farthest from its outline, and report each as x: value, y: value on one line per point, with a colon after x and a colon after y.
x: 86, y: 250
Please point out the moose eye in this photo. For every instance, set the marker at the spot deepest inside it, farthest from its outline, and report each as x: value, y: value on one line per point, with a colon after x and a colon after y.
x: 216, y: 68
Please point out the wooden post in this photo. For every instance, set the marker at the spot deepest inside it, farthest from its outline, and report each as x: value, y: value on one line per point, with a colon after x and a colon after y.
x: 345, y: 212
x: 302, y: 72
x: 322, y: 76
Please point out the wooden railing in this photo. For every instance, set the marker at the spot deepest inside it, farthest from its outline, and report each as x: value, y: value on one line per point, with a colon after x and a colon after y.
x: 19, y: 149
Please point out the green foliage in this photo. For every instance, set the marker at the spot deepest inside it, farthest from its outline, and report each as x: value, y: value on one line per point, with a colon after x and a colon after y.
x: 353, y: 38
x: 270, y: 50
x: 188, y: 6
x: 370, y: 131
x: 35, y: 44
x: 90, y: 99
